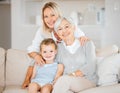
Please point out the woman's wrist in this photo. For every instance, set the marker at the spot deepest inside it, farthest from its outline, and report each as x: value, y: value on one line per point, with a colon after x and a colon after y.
x: 35, y: 56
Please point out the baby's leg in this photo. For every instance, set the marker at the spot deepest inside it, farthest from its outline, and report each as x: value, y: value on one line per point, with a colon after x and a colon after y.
x: 33, y: 88
x: 46, y: 88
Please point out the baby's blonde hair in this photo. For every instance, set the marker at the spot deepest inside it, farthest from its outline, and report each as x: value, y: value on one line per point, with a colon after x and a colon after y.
x: 48, y: 41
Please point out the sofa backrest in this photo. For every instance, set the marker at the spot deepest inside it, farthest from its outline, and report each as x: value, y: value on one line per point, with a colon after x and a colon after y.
x: 2, y: 66
x: 17, y: 62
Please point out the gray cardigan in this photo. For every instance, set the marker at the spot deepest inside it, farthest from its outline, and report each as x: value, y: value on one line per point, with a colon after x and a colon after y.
x: 83, y: 59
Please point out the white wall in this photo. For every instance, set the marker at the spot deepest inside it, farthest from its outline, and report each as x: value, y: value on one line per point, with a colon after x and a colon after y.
x: 112, y: 28
x: 87, y: 9
x: 22, y: 34
x: 24, y: 13
x: 95, y: 33
x: 23, y: 30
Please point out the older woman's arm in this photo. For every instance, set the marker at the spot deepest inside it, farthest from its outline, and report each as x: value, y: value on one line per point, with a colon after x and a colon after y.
x: 90, y: 66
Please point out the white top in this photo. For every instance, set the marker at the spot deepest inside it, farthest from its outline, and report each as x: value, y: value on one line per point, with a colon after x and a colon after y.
x: 73, y: 48
x: 40, y: 35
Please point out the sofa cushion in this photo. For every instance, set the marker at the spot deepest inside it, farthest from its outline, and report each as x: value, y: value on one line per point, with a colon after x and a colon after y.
x: 2, y: 67
x: 17, y: 63
x: 103, y: 89
x: 14, y: 89
x: 109, y: 70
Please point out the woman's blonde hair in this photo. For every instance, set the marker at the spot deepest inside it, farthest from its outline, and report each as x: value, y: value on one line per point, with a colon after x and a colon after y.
x: 53, y: 6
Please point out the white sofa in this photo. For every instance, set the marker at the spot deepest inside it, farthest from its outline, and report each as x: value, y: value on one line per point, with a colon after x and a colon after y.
x: 13, y: 68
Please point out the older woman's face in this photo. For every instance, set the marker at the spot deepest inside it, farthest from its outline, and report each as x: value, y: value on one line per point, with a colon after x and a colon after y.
x: 50, y: 17
x: 65, y: 30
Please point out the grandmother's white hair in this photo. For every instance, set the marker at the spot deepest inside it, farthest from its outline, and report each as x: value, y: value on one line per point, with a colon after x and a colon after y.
x: 59, y: 20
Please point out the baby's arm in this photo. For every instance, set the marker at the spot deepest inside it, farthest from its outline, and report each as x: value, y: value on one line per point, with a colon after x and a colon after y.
x: 59, y: 72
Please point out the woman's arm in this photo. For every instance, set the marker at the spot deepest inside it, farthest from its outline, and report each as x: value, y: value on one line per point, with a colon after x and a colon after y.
x: 34, y: 72
x: 34, y: 49
x: 80, y: 35
x: 37, y: 57
x: 90, y: 66
x: 78, y: 32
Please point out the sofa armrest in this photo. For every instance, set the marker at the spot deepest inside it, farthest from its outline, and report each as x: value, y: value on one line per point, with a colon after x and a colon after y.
x: 106, y: 52
x: 17, y: 62
x: 2, y: 67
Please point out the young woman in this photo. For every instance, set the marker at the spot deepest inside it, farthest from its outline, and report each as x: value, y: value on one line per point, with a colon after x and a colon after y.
x: 50, y: 13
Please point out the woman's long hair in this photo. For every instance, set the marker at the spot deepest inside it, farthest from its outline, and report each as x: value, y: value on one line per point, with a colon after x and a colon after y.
x: 53, y: 6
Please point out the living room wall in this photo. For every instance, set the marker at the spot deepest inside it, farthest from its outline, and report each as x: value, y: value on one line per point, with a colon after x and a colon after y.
x: 24, y: 13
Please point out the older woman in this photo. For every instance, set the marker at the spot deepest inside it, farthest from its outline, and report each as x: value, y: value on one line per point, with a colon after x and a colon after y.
x: 79, y: 61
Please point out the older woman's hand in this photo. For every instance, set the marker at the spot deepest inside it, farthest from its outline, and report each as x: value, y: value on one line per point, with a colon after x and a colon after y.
x: 77, y: 73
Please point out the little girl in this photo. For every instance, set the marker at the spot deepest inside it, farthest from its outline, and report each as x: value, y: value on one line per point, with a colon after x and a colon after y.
x: 45, y: 76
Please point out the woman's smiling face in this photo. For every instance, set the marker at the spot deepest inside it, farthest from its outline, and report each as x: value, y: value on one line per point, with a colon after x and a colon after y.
x: 50, y: 17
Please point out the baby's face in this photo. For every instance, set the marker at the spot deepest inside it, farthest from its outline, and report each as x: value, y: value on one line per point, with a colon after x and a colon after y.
x: 48, y: 52
x: 65, y: 29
